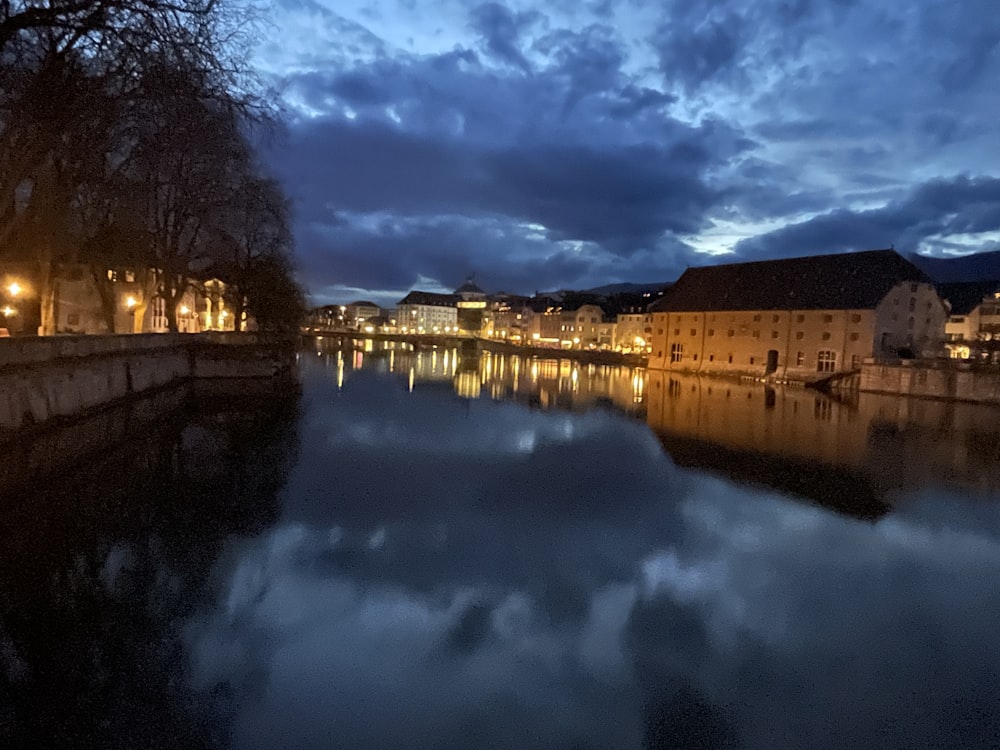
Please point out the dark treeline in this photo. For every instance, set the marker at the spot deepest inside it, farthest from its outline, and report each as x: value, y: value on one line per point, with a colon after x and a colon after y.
x: 126, y: 131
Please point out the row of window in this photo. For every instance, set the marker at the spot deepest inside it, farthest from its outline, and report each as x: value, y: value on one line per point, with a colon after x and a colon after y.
x: 799, y: 335
x: 826, y: 360
x: 776, y: 318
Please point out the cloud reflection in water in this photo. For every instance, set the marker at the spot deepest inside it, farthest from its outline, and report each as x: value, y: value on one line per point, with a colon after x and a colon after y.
x: 455, y: 574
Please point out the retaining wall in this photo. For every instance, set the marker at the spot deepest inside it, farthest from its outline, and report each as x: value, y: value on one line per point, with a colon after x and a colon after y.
x: 45, y: 378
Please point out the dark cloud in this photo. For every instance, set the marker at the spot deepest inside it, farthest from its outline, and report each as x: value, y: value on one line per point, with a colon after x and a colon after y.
x: 941, y: 207
x: 632, y: 132
x: 501, y: 30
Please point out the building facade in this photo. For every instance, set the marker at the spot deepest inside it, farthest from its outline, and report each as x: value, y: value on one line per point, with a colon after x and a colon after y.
x: 634, y: 331
x: 427, y: 312
x: 973, y: 324
x: 801, y: 318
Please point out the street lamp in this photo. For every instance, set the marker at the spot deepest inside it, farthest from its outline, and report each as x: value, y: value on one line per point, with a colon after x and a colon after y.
x: 15, y: 289
x: 9, y: 312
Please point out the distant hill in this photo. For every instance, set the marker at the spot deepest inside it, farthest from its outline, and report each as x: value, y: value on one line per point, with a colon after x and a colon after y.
x: 627, y: 288
x: 978, y: 267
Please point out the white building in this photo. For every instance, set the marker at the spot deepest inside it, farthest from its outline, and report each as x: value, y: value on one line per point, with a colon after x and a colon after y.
x: 427, y: 312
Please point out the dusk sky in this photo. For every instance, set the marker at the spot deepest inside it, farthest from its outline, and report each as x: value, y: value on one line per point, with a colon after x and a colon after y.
x: 574, y: 143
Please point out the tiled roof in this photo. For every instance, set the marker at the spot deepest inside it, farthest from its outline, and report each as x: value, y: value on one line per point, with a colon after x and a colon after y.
x: 965, y: 297
x: 362, y: 303
x: 429, y: 298
x: 845, y: 281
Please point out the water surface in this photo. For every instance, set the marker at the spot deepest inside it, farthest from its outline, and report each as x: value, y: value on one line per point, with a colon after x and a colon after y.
x: 431, y: 549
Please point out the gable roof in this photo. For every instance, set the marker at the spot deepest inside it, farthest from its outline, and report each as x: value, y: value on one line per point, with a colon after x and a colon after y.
x: 429, y: 298
x: 964, y: 297
x: 843, y: 281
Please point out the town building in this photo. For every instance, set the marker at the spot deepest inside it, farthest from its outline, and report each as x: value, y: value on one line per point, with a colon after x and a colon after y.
x: 357, y: 312
x: 799, y: 318
x: 973, y: 317
x: 76, y: 299
x: 508, y: 318
x: 471, y: 302
x: 427, y: 312
x: 634, y: 331
x: 571, y: 327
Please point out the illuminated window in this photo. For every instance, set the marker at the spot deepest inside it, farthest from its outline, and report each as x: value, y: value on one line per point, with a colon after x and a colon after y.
x: 826, y: 361
x: 676, y: 352
x: 800, y: 359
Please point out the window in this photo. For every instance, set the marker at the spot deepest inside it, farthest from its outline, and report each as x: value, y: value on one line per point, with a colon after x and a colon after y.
x: 730, y: 359
x: 73, y: 319
x: 694, y: 331
x: 752, y: 360
x: 159, y: 322
x: 756, y: 334
x: 913, y: 288
x: 775, y: 318
x: 913, y: 304
x: 711, y: 331
x: 800, y: 359
x: 676, y: 352
x: 730, y: 332
x: 677, y: 332
x: 855, y: 336
x: 800, y: 318
x: 856, y: 318
x: 112, y: 275
x: 909, y: 322
x: 826, y: 361
x: 799, y: 335
x: 827, y: 318
x: 659, y: 331
x: 130, y: 277
x: 855, y: 361
x: 826, y: 335
x: 774, y: 334
x: 711, y: 357
x: 895, y: 300
x: 756, y: 318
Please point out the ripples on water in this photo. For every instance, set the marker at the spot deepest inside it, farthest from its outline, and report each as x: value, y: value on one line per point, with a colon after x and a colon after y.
x: 432, y: 550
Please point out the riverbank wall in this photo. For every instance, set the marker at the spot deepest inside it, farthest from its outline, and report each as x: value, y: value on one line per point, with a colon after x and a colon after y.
x: 952, y: 381
x: 64, y: 377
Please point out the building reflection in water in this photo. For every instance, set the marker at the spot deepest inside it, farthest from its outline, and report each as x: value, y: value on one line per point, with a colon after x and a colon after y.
x: 851, y: 454
x: 542, y: 383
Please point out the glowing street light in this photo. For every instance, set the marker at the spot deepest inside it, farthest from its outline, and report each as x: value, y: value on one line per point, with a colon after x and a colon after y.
x: 15, y: 289
x: 9, y: 311
x: 185, y: 310
x: 130, y: 302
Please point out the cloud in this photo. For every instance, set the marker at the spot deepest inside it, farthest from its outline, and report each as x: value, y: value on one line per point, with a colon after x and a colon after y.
x: 960, y: 205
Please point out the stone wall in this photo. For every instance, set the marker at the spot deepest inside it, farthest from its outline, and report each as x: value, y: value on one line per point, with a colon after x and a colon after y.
x: 946, y: 380
x: 47, y: 378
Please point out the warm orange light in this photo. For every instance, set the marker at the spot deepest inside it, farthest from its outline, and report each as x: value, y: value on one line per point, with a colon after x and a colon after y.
x: 15, y: 289
x: 185, y: 310
x: 9, y: 311
x: 130, y: 302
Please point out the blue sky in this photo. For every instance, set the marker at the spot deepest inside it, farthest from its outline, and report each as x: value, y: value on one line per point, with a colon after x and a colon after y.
x: 570, y: 144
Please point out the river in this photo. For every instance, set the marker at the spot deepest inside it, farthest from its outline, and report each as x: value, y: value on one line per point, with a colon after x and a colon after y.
x: 437, y: 549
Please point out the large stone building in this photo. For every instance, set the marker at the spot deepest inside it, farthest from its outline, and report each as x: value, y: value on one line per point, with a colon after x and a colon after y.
x: 800, y: 318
